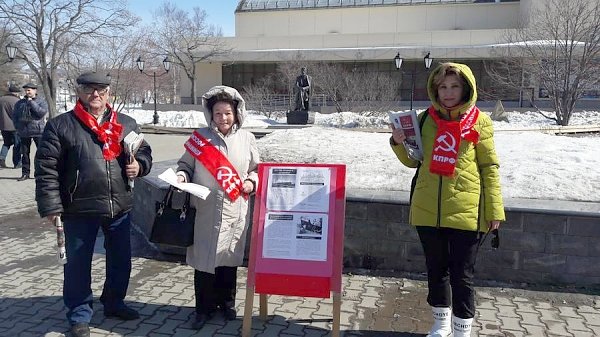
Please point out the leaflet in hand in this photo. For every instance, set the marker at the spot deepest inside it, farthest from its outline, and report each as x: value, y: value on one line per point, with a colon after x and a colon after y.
x: 132, y: 142
x: 409, y: 123
x: 171, y: 177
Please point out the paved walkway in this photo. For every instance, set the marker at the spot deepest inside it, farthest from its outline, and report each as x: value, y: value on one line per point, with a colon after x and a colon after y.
x: 161, y: 289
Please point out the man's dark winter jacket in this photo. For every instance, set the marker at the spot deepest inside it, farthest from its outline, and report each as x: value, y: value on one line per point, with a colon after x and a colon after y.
x: 29, y: 116
x: 7, y: 104
x: 73, y: 178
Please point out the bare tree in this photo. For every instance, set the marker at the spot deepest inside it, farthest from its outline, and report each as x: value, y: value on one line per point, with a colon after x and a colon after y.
x: 7, y: 67
x: 45, y: 31
x: 559, y: 48
x: 354, y: 88
x: 262, y: 97
x: 117, y: 58
x: 188, y: 39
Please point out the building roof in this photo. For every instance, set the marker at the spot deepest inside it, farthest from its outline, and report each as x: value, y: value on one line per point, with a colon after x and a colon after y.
x: 257, y: 5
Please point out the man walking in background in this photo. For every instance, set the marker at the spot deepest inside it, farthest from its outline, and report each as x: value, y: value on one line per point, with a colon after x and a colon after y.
x: 7, y: 127
x: 30, y: 119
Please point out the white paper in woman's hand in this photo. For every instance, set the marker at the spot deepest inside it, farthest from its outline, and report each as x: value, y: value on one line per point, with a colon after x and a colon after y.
x: 198, y: 190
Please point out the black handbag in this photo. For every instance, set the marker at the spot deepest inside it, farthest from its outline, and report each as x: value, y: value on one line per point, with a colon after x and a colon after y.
x: 173, y: 227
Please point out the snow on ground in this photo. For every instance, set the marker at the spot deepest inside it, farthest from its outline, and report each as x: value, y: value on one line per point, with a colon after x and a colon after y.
x: 533, y: 164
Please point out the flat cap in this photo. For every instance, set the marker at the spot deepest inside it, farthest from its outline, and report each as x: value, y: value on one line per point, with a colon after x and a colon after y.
x: 93, y: 78
x: 14, y: 88
x: 29, y: 86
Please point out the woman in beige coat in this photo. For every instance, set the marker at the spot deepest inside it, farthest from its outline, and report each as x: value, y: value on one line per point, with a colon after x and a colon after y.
x: 221, y: 224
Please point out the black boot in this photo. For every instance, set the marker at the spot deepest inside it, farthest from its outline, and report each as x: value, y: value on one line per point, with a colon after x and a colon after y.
x: 24, y: 177
x: 3, y: 163
x: 200, y: 321
x: 229, y: 313
x: 80, y: 330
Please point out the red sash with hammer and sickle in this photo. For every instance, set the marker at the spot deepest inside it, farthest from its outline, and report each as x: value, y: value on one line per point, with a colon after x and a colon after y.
x: 216, y: 163
x: 447, y: 140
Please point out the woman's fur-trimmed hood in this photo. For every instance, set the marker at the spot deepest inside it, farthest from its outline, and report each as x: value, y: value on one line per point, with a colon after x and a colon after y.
x: 467, y: 74
x: 234, y: 94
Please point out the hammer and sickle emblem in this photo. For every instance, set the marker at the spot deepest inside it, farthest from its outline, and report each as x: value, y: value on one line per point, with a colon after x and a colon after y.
x: 225, y: 174
x: 447, y: 142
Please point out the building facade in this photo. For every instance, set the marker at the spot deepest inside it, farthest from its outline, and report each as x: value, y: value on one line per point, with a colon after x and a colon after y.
x: 365, y: 32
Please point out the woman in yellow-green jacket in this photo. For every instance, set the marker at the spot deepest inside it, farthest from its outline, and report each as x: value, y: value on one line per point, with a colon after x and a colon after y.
x: 456, y: 196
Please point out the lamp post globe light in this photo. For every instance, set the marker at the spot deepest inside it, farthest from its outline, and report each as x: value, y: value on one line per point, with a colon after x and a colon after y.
x: 167, y: 66
x: 11, y: 51
x: 428, y: 60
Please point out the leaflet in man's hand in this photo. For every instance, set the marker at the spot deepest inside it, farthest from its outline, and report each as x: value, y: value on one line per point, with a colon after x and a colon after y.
x: 132, y: 142
x: 409, y: 123
x: 196, y: 189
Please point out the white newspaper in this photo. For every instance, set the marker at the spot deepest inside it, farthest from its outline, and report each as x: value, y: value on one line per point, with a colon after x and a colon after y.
x: 409, y: 123
x: 132, y: 143
x: 195, y: 189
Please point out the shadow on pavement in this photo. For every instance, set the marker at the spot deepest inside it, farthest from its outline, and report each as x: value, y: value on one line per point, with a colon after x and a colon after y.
x: 38, y: 316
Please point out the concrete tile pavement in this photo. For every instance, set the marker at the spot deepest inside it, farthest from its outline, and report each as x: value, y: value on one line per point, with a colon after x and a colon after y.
x: 161, y: 289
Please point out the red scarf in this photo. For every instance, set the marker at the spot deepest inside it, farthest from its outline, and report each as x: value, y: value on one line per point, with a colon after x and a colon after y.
x: 216, y: 163
x: 109, y: 133
x: 447, y: 140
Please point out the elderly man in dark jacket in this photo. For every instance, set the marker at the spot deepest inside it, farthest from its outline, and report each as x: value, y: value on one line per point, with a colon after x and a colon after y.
x: 29, y: 117
x: 7, y: 127
x: 81, y: 174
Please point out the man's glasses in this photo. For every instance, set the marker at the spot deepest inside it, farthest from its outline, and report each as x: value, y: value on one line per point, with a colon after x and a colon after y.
x: 90, y: 90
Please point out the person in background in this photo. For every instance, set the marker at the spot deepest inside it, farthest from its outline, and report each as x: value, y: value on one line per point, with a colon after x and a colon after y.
x: 29, y: 118
x: 223, y: 158
x: 457, y: 194
x: 7, y: 127
x: 81, y: 175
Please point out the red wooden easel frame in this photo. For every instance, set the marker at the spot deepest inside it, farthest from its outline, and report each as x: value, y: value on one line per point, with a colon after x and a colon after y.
x: 303, y: 278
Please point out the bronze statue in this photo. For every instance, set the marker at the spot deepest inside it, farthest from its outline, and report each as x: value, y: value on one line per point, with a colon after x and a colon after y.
x: 302, y: 90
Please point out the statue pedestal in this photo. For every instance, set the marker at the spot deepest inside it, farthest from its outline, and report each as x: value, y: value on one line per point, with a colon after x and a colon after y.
x: 300, y: 117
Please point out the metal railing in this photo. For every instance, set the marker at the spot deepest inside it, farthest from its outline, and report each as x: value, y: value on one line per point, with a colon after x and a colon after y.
x: 287, y: 101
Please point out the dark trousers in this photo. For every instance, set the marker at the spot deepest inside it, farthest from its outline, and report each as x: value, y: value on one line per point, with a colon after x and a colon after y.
x: 80, y: 235
x: 215, y: 290
x: 11, y: 138
x: 450, y: 257
x: 25, y: 146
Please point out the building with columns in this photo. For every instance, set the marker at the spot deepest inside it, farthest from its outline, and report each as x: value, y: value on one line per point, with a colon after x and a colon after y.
x: 372, y: 32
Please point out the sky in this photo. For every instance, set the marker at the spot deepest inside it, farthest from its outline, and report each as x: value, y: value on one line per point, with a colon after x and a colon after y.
x: 533, y: 164
x: 220, y: 12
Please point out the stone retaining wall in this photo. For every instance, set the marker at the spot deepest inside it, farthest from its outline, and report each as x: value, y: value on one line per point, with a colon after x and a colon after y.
x: 550, y: 246
x: 542, y: 241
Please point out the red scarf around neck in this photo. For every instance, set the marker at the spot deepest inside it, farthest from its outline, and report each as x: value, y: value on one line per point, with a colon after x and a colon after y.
x: 447, y: 140
x: 109, y: 133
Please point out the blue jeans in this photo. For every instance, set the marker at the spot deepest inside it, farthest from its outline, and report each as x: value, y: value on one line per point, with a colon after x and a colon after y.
x: 80, y: 235
x: 11, y: 138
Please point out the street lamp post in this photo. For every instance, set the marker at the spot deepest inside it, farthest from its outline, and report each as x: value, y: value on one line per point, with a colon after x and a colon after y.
x: 398, y: 62
x: 167, y: 65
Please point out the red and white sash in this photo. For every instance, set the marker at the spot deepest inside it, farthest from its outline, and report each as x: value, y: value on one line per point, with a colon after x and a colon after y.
x: 447, y: 140
x: 216, y: 163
